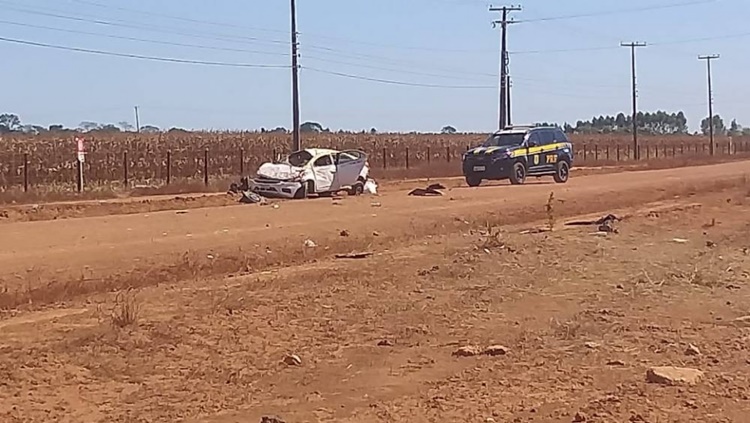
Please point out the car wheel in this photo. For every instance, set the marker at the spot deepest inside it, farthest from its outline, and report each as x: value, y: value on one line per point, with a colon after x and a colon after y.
x: 518, y: 174
x: 473, y: 181
x: 562, y: 172
x: 357, y: 189
x: 305, y: 189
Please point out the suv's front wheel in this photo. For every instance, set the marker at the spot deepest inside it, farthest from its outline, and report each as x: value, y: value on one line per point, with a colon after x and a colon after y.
x: 518, y: 174
x: 562, y: 172
x: 473, y: 180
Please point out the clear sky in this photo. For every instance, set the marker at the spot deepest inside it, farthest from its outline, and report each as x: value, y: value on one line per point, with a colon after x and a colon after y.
x: 563, y: 69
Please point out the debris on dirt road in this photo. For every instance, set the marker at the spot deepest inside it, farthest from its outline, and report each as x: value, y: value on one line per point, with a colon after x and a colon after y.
x: 310, y: 243
x: 371, y: 187
x: 495, y: 350
x: 385, y: 343
x: 292, y: 360
x: 272, y: 419
x: 692, y: 350
x: 605, y: 224
x: 467, y: 351
x: 344, y: 233
x: 431, y: 191
x: 672, y: 376
x: 743, y: 321
x: 680, y: 241
x: 354, y: 256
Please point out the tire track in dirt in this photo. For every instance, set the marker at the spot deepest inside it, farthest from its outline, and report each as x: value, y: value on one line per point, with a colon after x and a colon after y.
x: 103, y: 246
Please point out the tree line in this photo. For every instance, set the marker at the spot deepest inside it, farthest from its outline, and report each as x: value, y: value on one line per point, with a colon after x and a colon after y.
x: 649, y: 123
x: 656, y: 123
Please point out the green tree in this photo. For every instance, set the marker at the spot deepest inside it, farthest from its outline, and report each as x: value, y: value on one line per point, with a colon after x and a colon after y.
x: 448, y: 129
x: 9, y: 123
x: 735, y: 129
x: 718, y: 124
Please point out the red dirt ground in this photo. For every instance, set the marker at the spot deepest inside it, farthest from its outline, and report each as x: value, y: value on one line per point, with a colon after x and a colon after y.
x: 582, y: 316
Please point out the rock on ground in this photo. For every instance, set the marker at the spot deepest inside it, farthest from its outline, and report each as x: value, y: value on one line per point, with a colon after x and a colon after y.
x: 673, y: 376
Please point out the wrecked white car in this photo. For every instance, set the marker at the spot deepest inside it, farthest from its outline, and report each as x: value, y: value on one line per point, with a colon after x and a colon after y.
x: 313, y: 171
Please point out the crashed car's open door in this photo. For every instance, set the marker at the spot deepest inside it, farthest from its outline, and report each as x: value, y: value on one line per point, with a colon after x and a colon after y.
x: 349, y: 166
x: 324, y: 171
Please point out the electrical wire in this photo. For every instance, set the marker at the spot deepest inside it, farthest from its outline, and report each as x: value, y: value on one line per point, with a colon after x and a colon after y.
x: 396, y: 82
x: 179, y: 18
x: 130, y: 25
x: 143, y: 40
x: 616, y: 12
x: 142, y: 57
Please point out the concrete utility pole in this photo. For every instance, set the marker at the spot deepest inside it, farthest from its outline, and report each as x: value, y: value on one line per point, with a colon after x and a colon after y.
x: 708, y: 59
x: 296, y: 142
x: 137, y: 120
x: 633, y: 46
x: 504, y: 83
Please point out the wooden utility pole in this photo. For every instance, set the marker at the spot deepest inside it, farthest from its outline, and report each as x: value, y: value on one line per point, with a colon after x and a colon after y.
x: 633, y: 46
x: 504, y: 100
x: 708, y: 59
x: 296, y: 142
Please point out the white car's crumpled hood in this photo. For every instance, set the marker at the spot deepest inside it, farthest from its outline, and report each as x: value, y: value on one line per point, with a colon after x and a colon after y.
x: 280, y: 171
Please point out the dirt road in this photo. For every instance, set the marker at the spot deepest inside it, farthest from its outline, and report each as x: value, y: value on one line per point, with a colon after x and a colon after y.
x: 102, y: 246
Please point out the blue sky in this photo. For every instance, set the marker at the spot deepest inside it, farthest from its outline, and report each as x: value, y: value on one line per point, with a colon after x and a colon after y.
x: 433, y: 42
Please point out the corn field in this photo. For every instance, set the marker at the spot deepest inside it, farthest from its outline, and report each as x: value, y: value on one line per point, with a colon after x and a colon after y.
x: 131, y: 159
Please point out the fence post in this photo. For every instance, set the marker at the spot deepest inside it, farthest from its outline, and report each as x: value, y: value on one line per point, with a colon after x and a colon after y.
x: 665, y: 150
x: 674, y: 150
x: 648, y: 152
x: 169, y: 167
x: 607, y: 152
x: 618, y: 153
x: 25, y: 172
x: 584, y: 152
x: 205, y: 167
x: 385, y: 158
x: 79, y: 176
x: 126, y: 179
x: 429, y: 155
x: 407, y: 158
x: 596, y: 152
x: 448, y: 154
x: 242, y: 162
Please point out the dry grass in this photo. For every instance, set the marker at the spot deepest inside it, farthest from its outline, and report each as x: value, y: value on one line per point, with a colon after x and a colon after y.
x: 126, y: 311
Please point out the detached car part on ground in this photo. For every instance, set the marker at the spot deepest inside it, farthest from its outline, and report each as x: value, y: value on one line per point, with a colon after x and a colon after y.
x: 313, y: 171
x: 518, y: 152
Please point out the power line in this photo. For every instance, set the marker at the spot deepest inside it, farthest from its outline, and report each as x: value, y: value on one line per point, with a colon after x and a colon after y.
x: 143, y: 40
x: 633, y: 46
x: 504, y: 85
x: 708, y: 59
x: 130, y: 25
x: 396, y: 82
x: 142, y: 57
x: 617, y: 12
x: 178, y: 18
